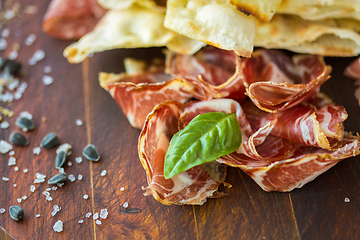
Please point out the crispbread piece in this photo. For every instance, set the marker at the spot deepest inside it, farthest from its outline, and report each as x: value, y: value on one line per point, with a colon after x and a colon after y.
x: 215, y: 22
x: 262, y: 9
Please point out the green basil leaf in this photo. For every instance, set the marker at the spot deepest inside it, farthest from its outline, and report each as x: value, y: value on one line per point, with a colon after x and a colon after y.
x: 207, y: 137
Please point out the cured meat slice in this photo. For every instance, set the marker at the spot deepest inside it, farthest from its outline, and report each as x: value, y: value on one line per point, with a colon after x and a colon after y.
x: 190, y: 187
x: 137, y: 95
x: 67, y: 19
x: 353, y: 70
x: 274, y: 83
x: 215, y: 73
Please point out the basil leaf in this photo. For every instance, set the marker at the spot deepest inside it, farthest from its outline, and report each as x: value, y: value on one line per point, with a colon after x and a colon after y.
x: 207, y: 137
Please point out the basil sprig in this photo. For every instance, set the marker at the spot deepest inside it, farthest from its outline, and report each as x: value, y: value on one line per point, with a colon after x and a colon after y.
x: 207, y: 137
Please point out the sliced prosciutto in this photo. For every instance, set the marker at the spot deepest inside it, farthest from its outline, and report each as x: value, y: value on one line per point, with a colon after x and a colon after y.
x: 68, y: 19
x: 138, y: 94
x: 353, y: 70
x: 214, y: 73
x: 193, y: 186
x: 275, y: 83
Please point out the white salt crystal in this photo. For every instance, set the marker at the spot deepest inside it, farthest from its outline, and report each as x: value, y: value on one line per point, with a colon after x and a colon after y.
x: 80, y: 221
x: 19, y: 200
x: 54, y: 188
x: 14, y: 84
x: 48, y: 189
x: 69, y: 163
x: 86, y: 196
x: 95, y: 216
x: 47, y: 69
x: 11, y: 153
x: 9, y: 14
x: 47, y: 80
x: 98, y: 222
x: 126, y: 204
x: 79, y: 122
x: 14, y: 185
x: 80, y: 177
x: 25, y: 170
x: 24, y: 197
x: 5, y: 146
x: 49, y: 198
x: 16, y: 169
x: 12, y: 161
x: 26, y: 114
x: 13, y: 55
x: 39, y: 180
x: 39, y: 55
x: 3, y: 44
x: 87, y: 215
x: 4, y: 124
x: 60, y: 184
x: 78, y: 159
x: 37, y: 150
x: 46, y: 193
x: 37, y: 215
x: 32, y: 188
x: 2, y: 210
x: 347, y: 199
x: 5, y: 33
x: 103, y: 213
x: 32, y: 62
x: 5, y: 179
x: 40, y: 175
x: 103, y: 173
x: 56, y: 209
x: 71, y: 177
x: 58, y: 226
x: 122, y: 189
x: 61, y: 170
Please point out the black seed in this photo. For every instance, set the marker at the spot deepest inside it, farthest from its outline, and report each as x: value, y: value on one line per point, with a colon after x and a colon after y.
x: 50, y: 141
x: 60, y: 159
x: 3, y: 62
x: 18, y: 139
x: 60, y: 178
x: 12, y: 67
x: 16, y: 212
x: 90, y: 153
x: 25, y: 123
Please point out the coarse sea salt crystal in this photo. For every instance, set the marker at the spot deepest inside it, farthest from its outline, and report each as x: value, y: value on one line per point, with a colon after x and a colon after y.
x: 30, y: 39
x: 47, y: 69
x: 347, y: 199
x: 87, y: 215
x: 98, y: 222
x: 95, y: 216
x: 39, y: 180
x: 37, y: 215
x: 40, y: 175
x: 122, y: 189
x: 3, y: 44
x: 11, y: 153
x: 78, y: 159
x: 48, y: 189
x: 126, y: 204
x: 47, y: 80
x: 80, y: 221
x: 61, y: 170
x: 71, y: 177
x: 46, y: 193
x: 58, y: 226
x: 39, y: 55
x: 13, y: 55
x: 79, y: 122
x: 49, y: 198
x: 25, y: 170
x: 69, y: 163
x: 86, y: 196
x: 9, y: 14
x: 5, y: 146
x: 80, y: 177
x: 5, y: 179
x: 37, y: 150
x: 2, y: 210
x: 103, y: 213
x: 16, y: 169
x: 54, y: 188
x: 5, y: 33
x: 56, y: 210
x: 103, y: 173
x: 24, y: 197
x: 12, y: 161
x: 14, y: 185
x: 32, y: 188
x: 4, y: 124
x: 19, y: 200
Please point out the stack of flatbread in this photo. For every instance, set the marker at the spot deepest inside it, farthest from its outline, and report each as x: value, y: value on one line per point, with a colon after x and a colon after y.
x: 324, y: 27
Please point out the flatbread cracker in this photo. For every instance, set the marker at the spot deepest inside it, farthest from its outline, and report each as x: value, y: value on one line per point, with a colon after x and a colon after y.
x: 262, y: 9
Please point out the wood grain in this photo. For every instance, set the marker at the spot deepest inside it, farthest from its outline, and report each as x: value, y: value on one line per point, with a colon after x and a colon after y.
x: 316, y: 211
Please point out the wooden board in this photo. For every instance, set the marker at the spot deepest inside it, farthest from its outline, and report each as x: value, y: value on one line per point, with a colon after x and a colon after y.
x: 316, y: 211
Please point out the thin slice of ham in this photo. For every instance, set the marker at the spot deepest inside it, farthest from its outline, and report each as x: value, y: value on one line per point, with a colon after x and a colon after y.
x: 274, y: 83
x: 193, y: 186
x: 353, y: 70
x: 70, y: 20
x: 215, y: 73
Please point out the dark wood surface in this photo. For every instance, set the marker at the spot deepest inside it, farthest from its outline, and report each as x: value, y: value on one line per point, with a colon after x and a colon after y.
x: 316, y: 211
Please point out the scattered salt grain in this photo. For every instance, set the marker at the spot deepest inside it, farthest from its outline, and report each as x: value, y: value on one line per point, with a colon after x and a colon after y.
x: 30, y: 39
x: 26, y: 114
x: 95, y: 216
x: 11, y: 153
x: 14, y: 185
x: 47, y: 80
x: 2, y: 210
x: 71, y: 178
x: 58, y: 226
x: 126, y: 204
x: 19, y: 200
x: 25, y: 170
x: 56, y: 210
x: 54, y: 188
x: 60, y: 184
x: 69, y: 163
x: 78, y: 159
x: 16, y: 169
x: 9, y: 14
x: 39, y: 178
x: 5, y: 179
x: 79, y: 122
x: 347, y: 199
x: 5, y: 33
x: 32, y: 188
x: 37, y: 150
x: 48, y: 189
x: 80, y: 177
x: 80, y: 221
x: 49, y: 198
x: 98, y: 222
x: 86, y: 196
x: 24, y: 197
x: 4, y: 124
x: 12, y: 161
x: 47, y: 69
x: 37, y: 215
x: 61, y: 170
x: 13, y: 55
x: 47, y: 194
x: 87, y: 215
x: 3, y: 44
x: 122, y: 189
x: 39, y: 55
x: 32, y: 62
x: 5, y: 146
x: 103, y: 173
x: 40, y: 175
x: 103, y: 213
